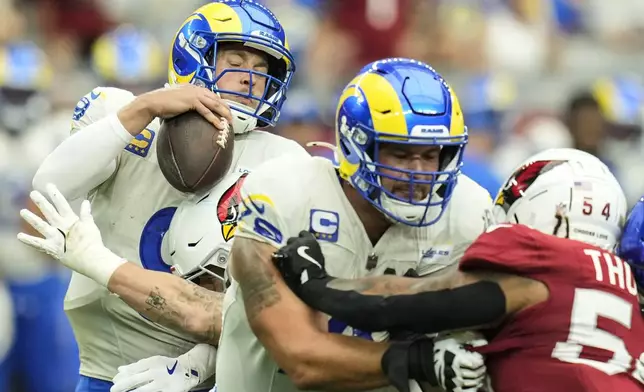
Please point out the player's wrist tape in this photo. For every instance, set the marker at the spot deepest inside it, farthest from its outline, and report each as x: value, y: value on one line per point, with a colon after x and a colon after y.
x: 102, y: 264
x: 201, y: 361
x: 476, y: 304
x: 409, y: 360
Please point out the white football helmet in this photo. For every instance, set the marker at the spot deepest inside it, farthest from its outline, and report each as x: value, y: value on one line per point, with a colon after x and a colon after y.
x: 200, y: 236
x: 567, y: 193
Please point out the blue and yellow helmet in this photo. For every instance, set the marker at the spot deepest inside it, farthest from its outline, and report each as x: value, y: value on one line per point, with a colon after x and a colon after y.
x: 25, y: 78
x: 620, y: 99
x: 406, y: 102
x: 128, y: 56
x: 194, y: 50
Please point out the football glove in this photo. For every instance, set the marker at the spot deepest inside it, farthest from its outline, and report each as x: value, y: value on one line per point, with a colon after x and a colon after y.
x: 75, y: 241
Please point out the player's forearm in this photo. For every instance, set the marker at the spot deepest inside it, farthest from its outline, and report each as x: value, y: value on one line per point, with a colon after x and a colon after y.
x: 90, y: 154
x: 170, y: 300
x: 394, y: 285
x: 136, y: 115
x: 377, y: 285
x: 338, y: 362
x: 469, y: 306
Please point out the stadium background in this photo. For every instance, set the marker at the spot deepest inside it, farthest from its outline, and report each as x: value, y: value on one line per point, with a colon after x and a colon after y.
x: 531, y: 74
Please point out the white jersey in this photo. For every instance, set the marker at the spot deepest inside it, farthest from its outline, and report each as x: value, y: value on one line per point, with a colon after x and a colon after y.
x: 132, y: 209
x: 292, y: 194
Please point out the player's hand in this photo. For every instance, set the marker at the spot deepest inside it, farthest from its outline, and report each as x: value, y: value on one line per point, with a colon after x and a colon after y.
x: 457, y: 368
x: 300, y: 261
x: 156, y: 374
x: 173, y: 100
x: 75, y: 241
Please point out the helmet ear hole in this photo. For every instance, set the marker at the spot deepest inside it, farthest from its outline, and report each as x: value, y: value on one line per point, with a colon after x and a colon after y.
x: 210, y: 55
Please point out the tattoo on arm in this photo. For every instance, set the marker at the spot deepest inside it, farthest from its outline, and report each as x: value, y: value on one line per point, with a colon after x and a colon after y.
x: 169, y: 309
x: 255, y: 277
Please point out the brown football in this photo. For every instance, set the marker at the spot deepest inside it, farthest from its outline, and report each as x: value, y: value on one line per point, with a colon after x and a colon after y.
x: 192, y: 153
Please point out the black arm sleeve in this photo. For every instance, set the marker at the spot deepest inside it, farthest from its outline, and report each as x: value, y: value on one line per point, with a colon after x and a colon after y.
x: 476, y: 304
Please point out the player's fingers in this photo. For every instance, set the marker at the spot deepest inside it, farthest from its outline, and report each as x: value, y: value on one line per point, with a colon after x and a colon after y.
x: 477, y: 342
x: 471, y: 360
x: 35, y: 242
x: 138, y: 366
x: 151, y: 387
x: 213, y: 101
x: 208, y: 115
x: 124, y: 382
x: 59, y: 201
x: 473, y: 374
x: 218, y: 105
x: 86, y: 211
x: 37, y: 223
x: 219, y: 108
x: 47, y: 209
x: 472, y: 388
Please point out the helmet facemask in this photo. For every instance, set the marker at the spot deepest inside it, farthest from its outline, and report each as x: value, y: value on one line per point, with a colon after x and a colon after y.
x: 428, y: 193
x: 262, y: 109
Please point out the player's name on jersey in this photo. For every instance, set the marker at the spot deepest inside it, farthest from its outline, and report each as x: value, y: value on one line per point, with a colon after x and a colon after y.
x: 612, y: 269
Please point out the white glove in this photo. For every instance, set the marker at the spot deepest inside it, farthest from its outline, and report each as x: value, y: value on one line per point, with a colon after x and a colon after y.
x: 156, y: 374
x: 163, y: 374
x: 75, y: 241
x: 457, y: 368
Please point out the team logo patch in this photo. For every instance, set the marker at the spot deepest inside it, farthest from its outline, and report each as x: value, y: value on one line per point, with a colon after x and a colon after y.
x: 325, y: 225
x: 228, y: 208
x: 141, y: 144
x: 84, y: 104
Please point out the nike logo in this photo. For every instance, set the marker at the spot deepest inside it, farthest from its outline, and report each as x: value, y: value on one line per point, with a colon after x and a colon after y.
x: 94, y: 95
x: 193, y: 244
x: 172, y: 369
x: 301, y: 251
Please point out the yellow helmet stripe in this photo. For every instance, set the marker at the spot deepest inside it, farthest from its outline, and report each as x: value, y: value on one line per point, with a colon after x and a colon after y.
x: 457, y: 123
x: 385, y: 107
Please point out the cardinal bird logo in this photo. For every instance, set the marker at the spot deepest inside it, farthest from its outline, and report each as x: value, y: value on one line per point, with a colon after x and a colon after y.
x: 521, y: 180
x: 228, y: 208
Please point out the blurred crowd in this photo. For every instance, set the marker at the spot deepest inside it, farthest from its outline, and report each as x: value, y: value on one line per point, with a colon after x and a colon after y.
x: 530, y: 74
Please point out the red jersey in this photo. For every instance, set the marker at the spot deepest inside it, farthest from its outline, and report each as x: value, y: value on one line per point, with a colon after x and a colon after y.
x: 588, y: 335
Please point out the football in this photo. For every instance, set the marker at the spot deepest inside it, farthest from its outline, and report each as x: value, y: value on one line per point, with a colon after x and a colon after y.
x: 192, y: 153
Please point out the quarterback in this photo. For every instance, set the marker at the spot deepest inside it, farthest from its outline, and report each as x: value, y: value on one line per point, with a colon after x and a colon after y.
x: 233, y: 70
x: 395, y: 205
x: 558, y: 307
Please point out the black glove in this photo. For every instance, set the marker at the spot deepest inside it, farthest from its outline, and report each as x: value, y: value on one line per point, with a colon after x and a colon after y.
x: 409, y: 360
x: 301, y: 262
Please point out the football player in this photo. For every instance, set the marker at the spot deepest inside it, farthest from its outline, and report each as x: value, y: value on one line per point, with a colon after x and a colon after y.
x: 395, y: 205
x: 230, y: 62
x: 557, y: 306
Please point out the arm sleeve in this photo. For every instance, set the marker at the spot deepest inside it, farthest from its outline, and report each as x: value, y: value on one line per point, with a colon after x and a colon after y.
x: 90, y: 155
x: 476, y: 304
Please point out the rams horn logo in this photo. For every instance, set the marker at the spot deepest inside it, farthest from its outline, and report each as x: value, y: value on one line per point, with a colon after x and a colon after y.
x: 228, y: 208
x: 521, y: 180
